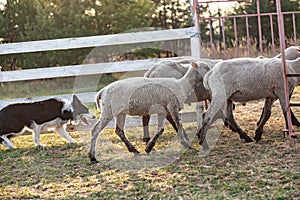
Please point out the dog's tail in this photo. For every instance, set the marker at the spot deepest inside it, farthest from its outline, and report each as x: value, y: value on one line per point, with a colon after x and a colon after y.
x: 98, y: 98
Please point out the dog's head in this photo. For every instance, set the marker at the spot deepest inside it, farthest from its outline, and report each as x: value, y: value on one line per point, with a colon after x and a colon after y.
x: 81, y: 112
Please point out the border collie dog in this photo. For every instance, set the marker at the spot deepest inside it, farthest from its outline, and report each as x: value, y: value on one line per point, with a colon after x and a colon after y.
x: 40, y: 116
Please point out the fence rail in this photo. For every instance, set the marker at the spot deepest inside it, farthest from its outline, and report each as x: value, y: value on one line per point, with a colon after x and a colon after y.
x: 236, y: 30
x: 96, y: 41
x: 89, y: 69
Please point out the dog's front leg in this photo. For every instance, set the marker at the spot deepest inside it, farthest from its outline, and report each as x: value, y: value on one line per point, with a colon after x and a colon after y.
x: 7, y: 143
x: 36, y: 136
x: 62, y: 132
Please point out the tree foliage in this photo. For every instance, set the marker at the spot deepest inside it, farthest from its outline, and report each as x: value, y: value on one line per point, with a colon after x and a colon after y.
x: 29, y: 20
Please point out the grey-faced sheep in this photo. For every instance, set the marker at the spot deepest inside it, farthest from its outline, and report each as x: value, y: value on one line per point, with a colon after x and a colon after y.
x: 243, y: 80
x: 291, y: 53
x: 143, y: 96
x: 176, y: 68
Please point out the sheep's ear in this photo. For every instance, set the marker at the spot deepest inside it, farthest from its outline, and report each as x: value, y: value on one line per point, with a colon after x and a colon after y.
x: 194, y: 65
x: 298, y: 49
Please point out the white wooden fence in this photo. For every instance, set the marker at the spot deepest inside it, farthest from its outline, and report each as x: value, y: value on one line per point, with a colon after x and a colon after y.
x: 92, y: 69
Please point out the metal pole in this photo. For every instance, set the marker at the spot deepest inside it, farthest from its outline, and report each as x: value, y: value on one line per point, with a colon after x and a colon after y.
x: 285, y: 79
x: 259, y: 27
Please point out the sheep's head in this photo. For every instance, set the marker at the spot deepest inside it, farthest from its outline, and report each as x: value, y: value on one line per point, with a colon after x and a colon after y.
x: 194, y: 65
x: 202, y: 67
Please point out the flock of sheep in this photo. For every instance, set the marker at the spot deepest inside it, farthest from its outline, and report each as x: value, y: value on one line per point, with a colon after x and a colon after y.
x: 168, y: 85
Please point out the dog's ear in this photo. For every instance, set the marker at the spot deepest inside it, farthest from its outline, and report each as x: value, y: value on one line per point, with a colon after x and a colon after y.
x: 75, y: 99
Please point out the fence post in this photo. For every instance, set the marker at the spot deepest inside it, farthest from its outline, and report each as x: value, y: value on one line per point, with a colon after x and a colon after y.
x: 196, y: 38
x: 196, y: 52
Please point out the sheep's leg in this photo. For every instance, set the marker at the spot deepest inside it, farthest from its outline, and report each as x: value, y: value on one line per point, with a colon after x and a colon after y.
x: 170, y: 119
x: 180, y: 133
x: 160, y: 130
x: 201, y: 133
x: 282, y: 102
x: 200, y: 109
x: 146, y: 135
x: 120, y: 123
x: 264, y: 118
x: 98, y: 127
x: 294, y: 118
x: 230, y: 119
x: 218, y: 103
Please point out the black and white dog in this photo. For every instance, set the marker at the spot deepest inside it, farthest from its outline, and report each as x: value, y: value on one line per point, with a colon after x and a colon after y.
x: 40, y: 116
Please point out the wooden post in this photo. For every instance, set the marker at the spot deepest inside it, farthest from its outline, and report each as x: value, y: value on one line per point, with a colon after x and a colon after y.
x: 196, y: 39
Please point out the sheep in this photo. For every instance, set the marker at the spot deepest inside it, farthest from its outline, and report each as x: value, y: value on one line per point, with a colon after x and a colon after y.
x: 143, y: 96
x: 291, y: 53
x: 242, y: 80
x: 176, y: 68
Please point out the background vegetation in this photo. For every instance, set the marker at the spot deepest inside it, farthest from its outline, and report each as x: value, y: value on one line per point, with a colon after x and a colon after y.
x: 29, y: 20
x: 232, y: 170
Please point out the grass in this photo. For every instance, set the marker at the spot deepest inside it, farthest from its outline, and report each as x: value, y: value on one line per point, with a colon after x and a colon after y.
x: 269, y: 169
x: 48, y: 87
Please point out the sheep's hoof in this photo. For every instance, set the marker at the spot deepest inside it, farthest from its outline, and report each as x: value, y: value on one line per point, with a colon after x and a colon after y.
x: 257, y: 136
x: 135, y: 152
x: 41, y: 146
x: 92, y: 158
x: 204, y: 145
x: 248, y: 139
x: 94, y: 161
x: 148, y: 149
x: 147, y: 139
x: 192, y: 148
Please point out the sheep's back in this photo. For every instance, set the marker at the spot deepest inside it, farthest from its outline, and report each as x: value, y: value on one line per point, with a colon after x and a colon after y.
x: 140, y: 96
x: 247, y: 79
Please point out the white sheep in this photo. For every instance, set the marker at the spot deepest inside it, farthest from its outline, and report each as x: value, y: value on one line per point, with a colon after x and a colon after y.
x: 176, y: 68
x: 242, y: 80
x: 143, y: 96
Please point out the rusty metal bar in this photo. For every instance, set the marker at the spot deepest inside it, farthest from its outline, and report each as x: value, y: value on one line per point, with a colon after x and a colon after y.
x: 272, y: 35
x: 236, y: 38
x: 285, y: 78
x: 259, y: 27
x: 251, y: 15
x: 212, y: 46
x: 224, y: 39
x: 294, y: 28
x: 248, y: 37
x: 216, y: 1
x: 292, y: 75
